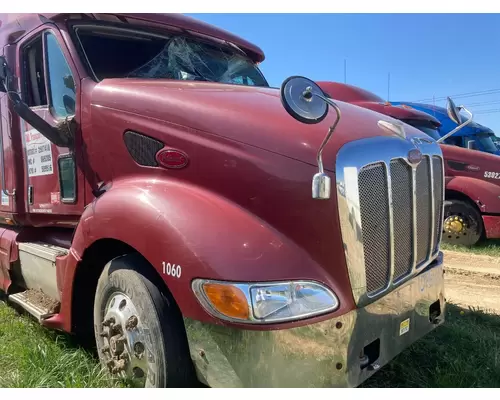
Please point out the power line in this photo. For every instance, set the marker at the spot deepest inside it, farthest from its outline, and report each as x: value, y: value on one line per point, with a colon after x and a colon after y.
x: 461, y: 95
x: 388, y: 85
x: 483, y: 103
x: 492, y: 111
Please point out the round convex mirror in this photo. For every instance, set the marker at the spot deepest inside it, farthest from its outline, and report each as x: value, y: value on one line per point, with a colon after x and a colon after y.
x: 453, y: 112
x: 298, y: 98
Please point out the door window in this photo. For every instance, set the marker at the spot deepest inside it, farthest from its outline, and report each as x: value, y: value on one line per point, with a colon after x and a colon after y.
x: 60, y: 92
x: 34, y: 87
x: 60, y: 80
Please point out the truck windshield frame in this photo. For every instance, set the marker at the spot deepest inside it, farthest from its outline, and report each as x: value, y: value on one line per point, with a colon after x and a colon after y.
x: 111, y: 51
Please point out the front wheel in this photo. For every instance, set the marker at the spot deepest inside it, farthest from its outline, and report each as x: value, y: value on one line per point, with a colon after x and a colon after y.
x: 462, y: 223
x: 139, y: 331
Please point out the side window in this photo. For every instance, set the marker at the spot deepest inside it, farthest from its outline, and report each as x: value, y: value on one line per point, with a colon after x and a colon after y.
x: 33, y: 71
x: 67, y: 179
x: 60, y: 80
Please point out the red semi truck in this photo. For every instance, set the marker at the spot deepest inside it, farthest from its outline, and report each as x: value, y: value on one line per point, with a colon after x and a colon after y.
x: 159, y: 196
x: 472, y: 193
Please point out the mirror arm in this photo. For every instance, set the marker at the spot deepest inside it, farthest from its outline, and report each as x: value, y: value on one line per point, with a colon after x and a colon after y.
x: 321, y: 183
x: 328, y: 136
x: 443, y: 138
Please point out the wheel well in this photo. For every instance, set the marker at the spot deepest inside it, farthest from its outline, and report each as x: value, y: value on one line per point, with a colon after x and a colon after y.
x: 454, y: 195
x: 93, y: 262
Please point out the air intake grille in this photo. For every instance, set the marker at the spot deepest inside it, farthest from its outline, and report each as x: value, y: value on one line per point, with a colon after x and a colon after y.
x: 424, y: 210
x: 405, y: 208
x: 375, y: 222
x: 401, y: 177
x: 437, y: 166
x: 142, y: 148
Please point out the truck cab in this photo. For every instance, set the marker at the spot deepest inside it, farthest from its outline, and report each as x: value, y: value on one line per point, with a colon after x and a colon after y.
x: 199, y: 225
x: 472, y: 206
x: 474, y: 136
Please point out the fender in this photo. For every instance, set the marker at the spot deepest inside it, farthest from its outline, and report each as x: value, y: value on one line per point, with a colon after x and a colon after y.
x: 484, y: 194
x: 206, y: 235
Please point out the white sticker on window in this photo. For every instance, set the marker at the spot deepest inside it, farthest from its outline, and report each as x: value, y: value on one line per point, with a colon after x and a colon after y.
x: 39, y: 154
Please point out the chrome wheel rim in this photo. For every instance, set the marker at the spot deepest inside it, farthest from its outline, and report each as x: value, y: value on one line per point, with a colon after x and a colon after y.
x: 125, y: 340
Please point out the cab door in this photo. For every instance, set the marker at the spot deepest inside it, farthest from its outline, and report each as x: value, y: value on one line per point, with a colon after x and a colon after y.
x: 50, y: 86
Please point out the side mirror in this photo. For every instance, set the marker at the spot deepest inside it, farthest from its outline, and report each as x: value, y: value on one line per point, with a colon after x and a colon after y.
x: 69, y: 104
x: 69, y: 83
x: 453, y: 112
x: 307, y: 103
x: 300, y: 98
x: 3, y: 75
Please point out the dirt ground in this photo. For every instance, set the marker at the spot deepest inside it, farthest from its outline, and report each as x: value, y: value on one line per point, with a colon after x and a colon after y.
x: 472, y: 280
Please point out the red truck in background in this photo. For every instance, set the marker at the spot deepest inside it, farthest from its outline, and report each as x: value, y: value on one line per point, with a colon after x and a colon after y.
x: 472, y: 205
x: 199, y: 224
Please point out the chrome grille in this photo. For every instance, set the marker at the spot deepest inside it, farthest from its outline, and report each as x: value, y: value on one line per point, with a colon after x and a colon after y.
x: 375, y: 223
x: 390, y: 212
x: 401, y: 177
x: 437, y: 165
x: 423, y: 209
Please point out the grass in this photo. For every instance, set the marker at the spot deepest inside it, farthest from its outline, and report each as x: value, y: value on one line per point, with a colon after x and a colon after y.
x: 490, y: 247
x: 34, y: 357
x: 464, y: 352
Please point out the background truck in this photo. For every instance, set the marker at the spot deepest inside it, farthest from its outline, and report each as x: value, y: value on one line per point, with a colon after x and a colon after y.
x: 473, y: 136
x: 157, y: 196
x: 472, y: 206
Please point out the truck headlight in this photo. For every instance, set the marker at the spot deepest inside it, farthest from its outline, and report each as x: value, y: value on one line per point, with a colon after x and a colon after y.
x: 264, y: 302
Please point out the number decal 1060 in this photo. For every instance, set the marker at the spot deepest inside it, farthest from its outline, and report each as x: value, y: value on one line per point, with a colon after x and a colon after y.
x: 172, y: 269
x: 492, y: 175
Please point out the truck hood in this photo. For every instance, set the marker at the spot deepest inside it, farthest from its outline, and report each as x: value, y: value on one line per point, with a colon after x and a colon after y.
x: 250, y: 115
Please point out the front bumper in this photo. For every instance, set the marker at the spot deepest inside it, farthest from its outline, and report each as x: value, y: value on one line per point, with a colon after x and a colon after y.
x: 492, y: 226
x: 326, y: 354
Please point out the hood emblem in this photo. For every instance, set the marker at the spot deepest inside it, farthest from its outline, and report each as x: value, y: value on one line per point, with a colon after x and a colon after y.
x: 172, y: 159
x: 414, y: 156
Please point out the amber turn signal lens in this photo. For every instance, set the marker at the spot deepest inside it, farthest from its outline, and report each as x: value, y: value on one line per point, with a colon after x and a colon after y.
x: 227, y: 299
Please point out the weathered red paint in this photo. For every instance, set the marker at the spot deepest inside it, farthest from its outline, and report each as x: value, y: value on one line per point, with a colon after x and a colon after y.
x: 464, y: 168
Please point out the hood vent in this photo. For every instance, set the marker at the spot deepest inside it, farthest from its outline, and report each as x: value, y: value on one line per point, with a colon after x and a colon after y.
x: 142, y: 148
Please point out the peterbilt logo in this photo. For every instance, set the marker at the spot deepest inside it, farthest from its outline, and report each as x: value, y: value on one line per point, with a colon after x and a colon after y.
x: 414, y: 156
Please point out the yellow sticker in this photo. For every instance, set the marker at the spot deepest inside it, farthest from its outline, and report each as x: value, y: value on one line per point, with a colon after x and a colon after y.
x: 404, y: 326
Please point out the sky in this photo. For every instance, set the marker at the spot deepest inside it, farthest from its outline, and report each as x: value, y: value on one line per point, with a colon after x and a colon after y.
x: 427, y: 55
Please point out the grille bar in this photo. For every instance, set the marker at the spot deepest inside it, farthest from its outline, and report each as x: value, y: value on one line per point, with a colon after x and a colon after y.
x: 437, y: 166
x: 424, y: 210
x: 401, y: 176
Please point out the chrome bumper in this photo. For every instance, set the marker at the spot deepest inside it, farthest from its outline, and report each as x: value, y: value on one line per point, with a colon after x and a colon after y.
x: 341, y: 352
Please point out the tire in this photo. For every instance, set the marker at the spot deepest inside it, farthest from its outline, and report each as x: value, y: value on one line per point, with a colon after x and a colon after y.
x: 142, y: 338
x: 473, y: 229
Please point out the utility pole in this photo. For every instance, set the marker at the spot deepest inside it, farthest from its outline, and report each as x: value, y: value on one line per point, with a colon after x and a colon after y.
x: 388, y: 86
x: 345, y: 70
